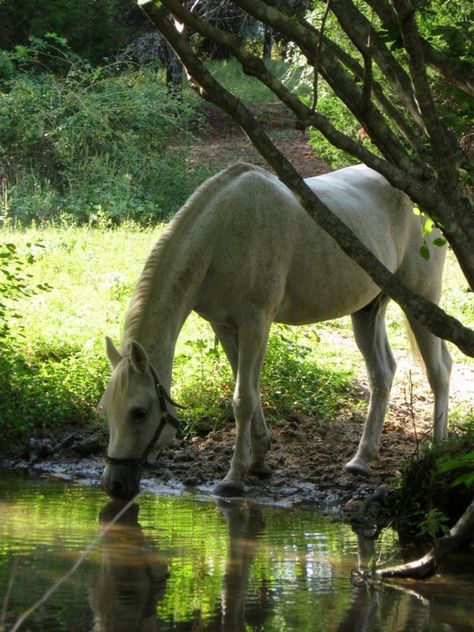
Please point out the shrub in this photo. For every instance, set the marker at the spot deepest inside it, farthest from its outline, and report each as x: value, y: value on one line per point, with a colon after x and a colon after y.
x: 436, y: 487
x: 93, y: 140
x: 46, y: 398
x: 291, y: 381
x: 15, y: 282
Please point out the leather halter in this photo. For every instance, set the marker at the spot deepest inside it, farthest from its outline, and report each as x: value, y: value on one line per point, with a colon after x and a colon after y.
x: 166, y: 418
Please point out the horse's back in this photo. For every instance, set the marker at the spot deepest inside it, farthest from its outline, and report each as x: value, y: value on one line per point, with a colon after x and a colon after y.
x: 267, y: 251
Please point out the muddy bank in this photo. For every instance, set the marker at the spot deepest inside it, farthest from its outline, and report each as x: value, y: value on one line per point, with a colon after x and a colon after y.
x: 307, y: 455
x: 307, y: 459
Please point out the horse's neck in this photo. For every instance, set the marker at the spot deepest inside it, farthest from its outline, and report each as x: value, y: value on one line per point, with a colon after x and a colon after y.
x: 163, y: 299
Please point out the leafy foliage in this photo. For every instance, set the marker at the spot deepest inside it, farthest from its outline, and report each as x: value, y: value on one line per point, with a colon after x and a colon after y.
x: 95, y: 30
x: 291, y: 381
x: 92, y: 142
x: 47, y: 397
x: 436, y: 487
x: 15, y: 283
x: 457, y: 463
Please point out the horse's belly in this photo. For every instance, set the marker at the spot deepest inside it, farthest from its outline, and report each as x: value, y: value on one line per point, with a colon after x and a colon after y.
x: 298, y: 308
x: 326, y: 288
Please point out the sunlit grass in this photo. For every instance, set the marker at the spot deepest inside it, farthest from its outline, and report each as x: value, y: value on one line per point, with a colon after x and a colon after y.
x: 60, y: 358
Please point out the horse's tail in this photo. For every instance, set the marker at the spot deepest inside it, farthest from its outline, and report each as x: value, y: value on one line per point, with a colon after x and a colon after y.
x: 413, y: 344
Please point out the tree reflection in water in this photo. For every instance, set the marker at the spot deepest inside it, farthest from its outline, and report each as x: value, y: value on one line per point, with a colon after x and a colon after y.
x: 404, y: 604
x: 131, y: 581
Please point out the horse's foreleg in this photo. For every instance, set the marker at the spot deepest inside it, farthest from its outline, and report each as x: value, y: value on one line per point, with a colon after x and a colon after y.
x: 259, y: 435
x: 252, y: 339
x: 261, y: 442
x: 371, y: 338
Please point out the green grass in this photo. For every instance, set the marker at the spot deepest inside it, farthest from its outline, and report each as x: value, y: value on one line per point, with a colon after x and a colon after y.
x: 58, y: 361
x: 54, y: 369
x: 249, y: 89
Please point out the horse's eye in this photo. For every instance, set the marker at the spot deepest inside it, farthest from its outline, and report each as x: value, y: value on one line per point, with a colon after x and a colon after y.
x: 138, y: 414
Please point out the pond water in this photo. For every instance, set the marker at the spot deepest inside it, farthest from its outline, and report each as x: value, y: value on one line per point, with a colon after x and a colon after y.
x: 188, y: 563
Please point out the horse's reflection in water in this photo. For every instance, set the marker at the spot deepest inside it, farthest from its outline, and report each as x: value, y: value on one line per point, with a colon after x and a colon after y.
x: 131, y: 578
x: 132, y: 575
x: 245, y: 523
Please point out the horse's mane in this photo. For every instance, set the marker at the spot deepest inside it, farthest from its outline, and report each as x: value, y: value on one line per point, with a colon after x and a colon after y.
x: 186, y: 215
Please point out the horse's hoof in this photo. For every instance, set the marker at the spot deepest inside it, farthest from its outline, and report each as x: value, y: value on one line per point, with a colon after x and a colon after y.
x: 357, y: 466
x: 260, y: 470
x: 229, y: 489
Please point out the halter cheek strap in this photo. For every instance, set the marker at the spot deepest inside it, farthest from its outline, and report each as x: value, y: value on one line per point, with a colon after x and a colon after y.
x: 166, y: 418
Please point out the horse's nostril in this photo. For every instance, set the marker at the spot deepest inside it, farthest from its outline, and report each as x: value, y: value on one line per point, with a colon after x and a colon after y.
x: 118, y: 489
x: 113, y: 488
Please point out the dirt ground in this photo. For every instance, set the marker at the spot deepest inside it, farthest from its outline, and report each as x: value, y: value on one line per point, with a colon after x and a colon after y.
x: 307, y: 456
x: 221, y: 142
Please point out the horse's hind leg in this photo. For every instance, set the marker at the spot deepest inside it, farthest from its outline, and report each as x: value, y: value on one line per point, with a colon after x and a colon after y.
x: 438, y: 365
x: 245, y: 352
x: 371, y: 338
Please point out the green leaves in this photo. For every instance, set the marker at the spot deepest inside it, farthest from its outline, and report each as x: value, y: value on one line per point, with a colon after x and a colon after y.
x: 77, y: 144
x: 462, y: 461
x: 435, y: 521
x: 428, y: 227
x: 15, y: 282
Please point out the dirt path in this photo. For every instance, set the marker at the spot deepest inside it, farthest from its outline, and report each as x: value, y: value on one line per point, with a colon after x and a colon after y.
x: 221, y: 142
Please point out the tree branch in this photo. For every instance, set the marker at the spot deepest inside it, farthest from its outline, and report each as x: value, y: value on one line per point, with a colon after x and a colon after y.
x: 359, y: 29
x: 444, y: 145
x: 307, y: 39
x: 434, y: 180
x: 254, y: 66
x: 426, y: 565
x: 426, y: 312
x: 451, y: 69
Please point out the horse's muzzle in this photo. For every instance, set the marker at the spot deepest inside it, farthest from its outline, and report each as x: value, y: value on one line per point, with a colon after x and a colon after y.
x: 121, y: 482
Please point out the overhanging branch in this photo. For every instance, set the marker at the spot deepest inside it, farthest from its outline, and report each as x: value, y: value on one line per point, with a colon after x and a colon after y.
x: 423, y: 310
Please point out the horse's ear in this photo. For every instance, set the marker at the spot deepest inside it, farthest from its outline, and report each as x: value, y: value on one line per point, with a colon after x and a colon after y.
x: 112, y: 352
x: 138, y: 357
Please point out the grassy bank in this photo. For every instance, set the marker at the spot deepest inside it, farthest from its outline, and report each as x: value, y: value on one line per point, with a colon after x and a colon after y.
x: 53, y: 368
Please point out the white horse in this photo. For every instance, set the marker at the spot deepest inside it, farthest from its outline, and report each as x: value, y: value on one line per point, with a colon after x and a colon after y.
x: 243, y: 253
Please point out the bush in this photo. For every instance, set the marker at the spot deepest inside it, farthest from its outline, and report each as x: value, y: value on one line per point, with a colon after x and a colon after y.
x: 15, y: 282
x: 291, y: 381
x: 47, y: 398
x: 436, y: 487
x: 93, y: 141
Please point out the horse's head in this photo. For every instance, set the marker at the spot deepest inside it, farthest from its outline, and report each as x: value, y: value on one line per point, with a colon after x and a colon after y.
x: 131, y: 577
x: 137, y: 410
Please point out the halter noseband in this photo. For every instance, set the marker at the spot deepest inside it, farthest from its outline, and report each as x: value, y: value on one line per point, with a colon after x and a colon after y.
x: 166, y: 418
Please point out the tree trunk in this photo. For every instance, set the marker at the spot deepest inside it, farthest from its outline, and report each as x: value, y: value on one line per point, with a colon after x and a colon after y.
x: 426, y: 565
x: 267, y: 42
